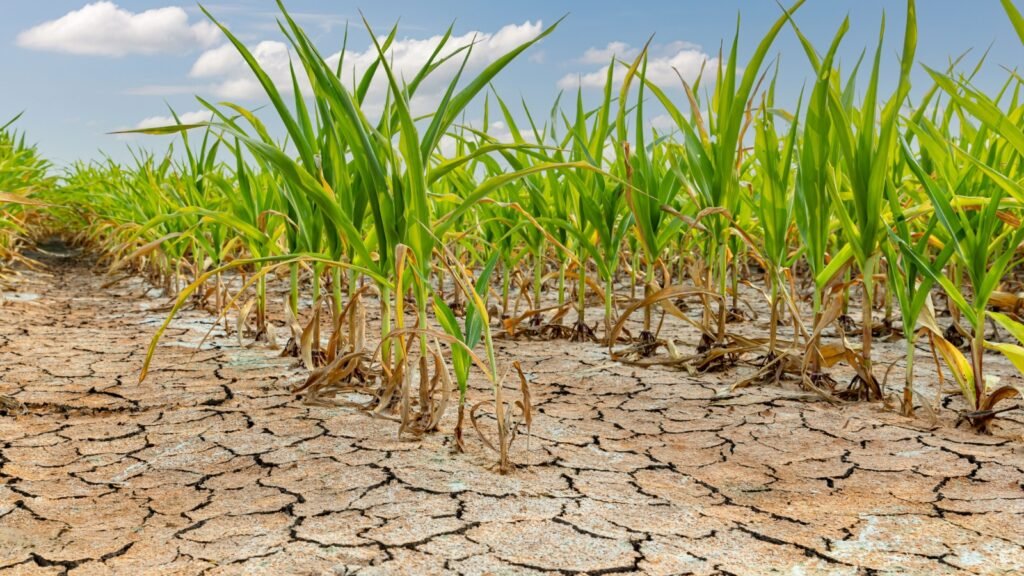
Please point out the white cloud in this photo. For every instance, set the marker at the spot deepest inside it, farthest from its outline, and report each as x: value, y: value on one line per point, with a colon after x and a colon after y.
x: 231, y: 75
x: 612, y: 50
x: 104, y: 29
x: 233, y: 80
x: 662, y: 123
x: 186, y: 118
x: 662, y: 63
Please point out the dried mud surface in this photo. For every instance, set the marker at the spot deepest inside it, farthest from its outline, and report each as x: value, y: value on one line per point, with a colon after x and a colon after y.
x: 211, y: 466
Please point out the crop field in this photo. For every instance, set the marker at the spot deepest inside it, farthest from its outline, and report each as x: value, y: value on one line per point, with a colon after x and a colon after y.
x: 330, y: 334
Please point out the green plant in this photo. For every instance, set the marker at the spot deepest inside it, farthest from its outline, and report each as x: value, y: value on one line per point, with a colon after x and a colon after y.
x: 859, y: 194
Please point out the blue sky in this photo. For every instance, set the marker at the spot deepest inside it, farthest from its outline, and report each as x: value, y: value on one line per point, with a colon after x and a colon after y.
x: 80, y: 70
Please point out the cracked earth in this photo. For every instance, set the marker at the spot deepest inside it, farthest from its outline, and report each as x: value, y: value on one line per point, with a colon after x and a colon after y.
x: 211, y: 466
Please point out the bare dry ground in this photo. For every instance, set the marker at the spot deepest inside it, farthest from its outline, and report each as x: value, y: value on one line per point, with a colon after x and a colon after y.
x: 211, y: 466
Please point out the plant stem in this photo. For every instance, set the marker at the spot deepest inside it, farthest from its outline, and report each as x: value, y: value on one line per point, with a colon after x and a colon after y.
x: 385, y: 324
x: 648, y: 281
x: 908, y: 383
x: 774, y: 320
x: 561, y: 284
x: 581, y: 291
x: 977, y: 359
x: 723, y: 267
x: 867, y: 324
x: 293, y: 294
x: 815, y: 355
x: 336, y: 291
x: 261, y: 302
x: 609, y: 296
x: 538, y: 274
x: 316, y: 303
x: 632, y: 277
x: 865, y: 353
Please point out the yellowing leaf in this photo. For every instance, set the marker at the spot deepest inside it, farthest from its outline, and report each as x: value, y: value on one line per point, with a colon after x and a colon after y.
x: 961, y: 368
x: 1012, y: 326
x: 1013, y: 353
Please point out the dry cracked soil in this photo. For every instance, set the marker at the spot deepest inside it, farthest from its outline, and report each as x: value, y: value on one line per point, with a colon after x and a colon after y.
x: 211, y: 466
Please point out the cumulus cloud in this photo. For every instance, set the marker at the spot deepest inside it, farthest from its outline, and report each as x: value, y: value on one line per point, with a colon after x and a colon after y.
x: 662, y: 123
x: 662, y: 63
x: 186, y: 118
x: 105, y: 29
x: 612, y: 50
x: 232, y: 78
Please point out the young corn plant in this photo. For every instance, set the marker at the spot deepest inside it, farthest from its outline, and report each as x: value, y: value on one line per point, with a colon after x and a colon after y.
x: 541, y: 217
x: 477, y: 324
x: 970, y: 200
x: 468, y: 334
x: 537, y: 201
x: 773, y: 204
x: 911, y: 273
x: 712, y: 154
x: 868, y: 145
x: 598, y: 221
x: 812, y: 202
x: 255, y: 202
x: 652, y: 184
